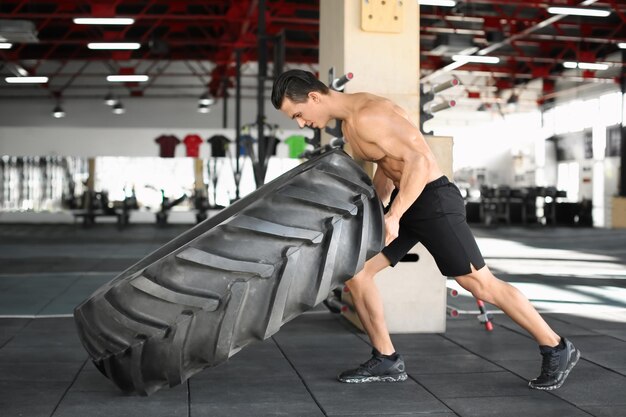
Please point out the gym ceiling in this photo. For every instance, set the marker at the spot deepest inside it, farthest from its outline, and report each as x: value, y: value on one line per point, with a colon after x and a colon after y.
x: 188, y: 47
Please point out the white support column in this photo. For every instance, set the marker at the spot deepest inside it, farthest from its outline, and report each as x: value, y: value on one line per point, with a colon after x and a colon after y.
x: 379, y: 43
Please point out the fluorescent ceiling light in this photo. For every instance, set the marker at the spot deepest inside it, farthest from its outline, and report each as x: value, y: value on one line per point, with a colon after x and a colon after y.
x: 58, y: 112
x: 622, y: 45
x: 104, y: 21
x: 442, y: 3
x: 127, y: 78
x: 109, y: 100
x: 206, y: 99
x: 111, y: 45
x: 476, y: 59
x: 26, y: 80
x: 118, y: 108
x: 579, y: 11
x: 585, y: 65
x: 592, y: 66
x: 5, y: 45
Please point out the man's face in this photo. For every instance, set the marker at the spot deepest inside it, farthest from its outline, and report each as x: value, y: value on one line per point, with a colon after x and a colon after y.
x: 311, y: 113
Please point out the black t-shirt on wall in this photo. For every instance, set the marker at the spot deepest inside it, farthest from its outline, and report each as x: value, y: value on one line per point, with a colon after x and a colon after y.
x: 219, y: 144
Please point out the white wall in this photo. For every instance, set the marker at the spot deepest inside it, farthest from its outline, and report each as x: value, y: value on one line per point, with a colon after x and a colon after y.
x: 90, y: 128
x: 491, y: 144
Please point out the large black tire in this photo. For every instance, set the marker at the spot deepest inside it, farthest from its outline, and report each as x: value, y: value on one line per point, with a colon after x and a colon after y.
x: 235, y: 278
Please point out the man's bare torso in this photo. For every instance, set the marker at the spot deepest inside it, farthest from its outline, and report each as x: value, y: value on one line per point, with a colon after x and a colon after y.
x: 370, y: 152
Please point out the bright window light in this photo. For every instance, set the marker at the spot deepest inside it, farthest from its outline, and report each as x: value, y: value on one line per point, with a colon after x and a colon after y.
x: 4, y: 45
x: 476, y: 59
x: 579, y: 11
x: 622, y: 45
x: 442, y: 3
x: 104, y: 21
x: 109, y: 45
x: 26, y: 80
x: 127, y: 78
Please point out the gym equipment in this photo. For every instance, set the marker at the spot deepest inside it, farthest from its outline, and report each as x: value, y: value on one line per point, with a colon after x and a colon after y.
x: 427, y: 110
x: 337, y: 84
x: 166, y: 207
x: 214, y: 174
x: 483, y: 317
x: 234, y: 278
x: 201, y: 204
x: 334, y: 143
x: 96, y: 204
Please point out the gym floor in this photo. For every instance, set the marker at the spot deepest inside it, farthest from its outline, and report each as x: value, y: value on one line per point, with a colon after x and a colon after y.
x: 576, y: 277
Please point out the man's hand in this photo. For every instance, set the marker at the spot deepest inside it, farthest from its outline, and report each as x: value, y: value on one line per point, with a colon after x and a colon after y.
x: 392, y: 226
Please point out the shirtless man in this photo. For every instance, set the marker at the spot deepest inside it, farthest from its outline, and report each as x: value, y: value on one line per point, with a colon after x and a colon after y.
x: 424, y: 207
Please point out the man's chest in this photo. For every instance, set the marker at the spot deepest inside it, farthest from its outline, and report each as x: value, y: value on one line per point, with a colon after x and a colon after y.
x: 360, y: 148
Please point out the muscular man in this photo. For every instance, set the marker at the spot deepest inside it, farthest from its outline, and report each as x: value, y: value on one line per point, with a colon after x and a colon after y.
x: 424, y: 207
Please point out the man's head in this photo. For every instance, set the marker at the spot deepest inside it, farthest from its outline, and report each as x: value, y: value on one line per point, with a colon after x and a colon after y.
x: 300, y: 96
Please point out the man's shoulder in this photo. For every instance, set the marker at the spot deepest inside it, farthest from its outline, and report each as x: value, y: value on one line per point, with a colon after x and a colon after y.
x: 372, y: 108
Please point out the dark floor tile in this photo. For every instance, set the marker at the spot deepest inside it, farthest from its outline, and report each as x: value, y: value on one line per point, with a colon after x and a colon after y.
x: 450, y: 364
x: 165, y: 403
x: 486, y: 384
x: 321, y: 356
x: 528, y: 369
x: 263, y: 390
x: 90, y: 379
x: 607, y: 411
x: 43, y: 371
x: 425, y: 344
x: 602, y: 350
x: 44, y: 339
x: 22, y: 302
x: 256, y: 409
x: 79, y: 291
x: 30, y: 398
x: 498, y: 344
x: 591, y: 323
x: 41, y: 354
x: 592, y: 385
x: 522, y: 406
x: 566, y: 325
x: 318, y: 339
x: 13, y: 324
x: 236, y: 369
x: 615, y: 333
x: 64, y: 264
x: 10, y: 327
x: 383, y: 413
x: 51, y: 325
x: 373, y: 399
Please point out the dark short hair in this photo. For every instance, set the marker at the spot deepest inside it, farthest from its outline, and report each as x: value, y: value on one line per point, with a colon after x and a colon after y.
x: 295, y: 85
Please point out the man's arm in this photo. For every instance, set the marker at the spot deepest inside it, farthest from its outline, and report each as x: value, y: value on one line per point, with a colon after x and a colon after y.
x: 383, y: 185
x: 399, y: 140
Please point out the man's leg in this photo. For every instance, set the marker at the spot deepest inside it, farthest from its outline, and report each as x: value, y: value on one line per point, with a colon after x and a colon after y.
x: 559, y: 355
x: 485, y: 286
x: 384, y: 365
x: 369, y: 305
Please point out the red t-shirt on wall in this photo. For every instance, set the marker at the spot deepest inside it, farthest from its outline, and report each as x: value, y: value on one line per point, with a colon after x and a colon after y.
x: 167, y: 145
x: 192, y: 142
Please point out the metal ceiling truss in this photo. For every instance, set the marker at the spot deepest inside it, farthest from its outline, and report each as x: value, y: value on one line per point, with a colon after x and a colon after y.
x: 204, y: 34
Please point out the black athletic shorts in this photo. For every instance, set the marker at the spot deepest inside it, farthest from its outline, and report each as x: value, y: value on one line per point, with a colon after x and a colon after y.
x: 437, y: 220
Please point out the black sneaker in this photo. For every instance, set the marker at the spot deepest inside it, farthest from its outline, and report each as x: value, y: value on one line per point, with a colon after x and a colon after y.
x: 379, y: 368
x: 556, y: 365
